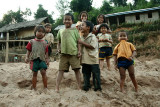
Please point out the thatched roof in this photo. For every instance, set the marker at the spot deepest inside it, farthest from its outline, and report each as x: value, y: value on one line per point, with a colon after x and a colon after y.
x: 23, y: 24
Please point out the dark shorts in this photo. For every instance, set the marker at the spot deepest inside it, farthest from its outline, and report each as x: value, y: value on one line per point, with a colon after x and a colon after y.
x: 37, y: 64
x: 125, y: 63
x: 105, y: 52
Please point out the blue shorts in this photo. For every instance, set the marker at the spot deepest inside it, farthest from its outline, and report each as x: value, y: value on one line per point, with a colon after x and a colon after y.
x: 105, y: 52
x: 125, y: 63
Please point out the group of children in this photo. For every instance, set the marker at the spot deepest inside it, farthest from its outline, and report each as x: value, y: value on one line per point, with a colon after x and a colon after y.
x: 85, y: 45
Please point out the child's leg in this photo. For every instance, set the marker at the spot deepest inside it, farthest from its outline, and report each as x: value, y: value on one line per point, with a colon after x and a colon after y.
x: 122, y: 78
x: 34, y: 80
x: 78, y: 77
x: 132, y: 76
x: 108, y: 63
x: 44, y: 78
x: 58, y: 80
x: 101, y: 63
x: 96, y: 75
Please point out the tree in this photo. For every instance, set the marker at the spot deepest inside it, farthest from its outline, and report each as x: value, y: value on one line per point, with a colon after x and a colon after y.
x: 12, y: 17
x: 154, y: 3
x: 81, y: 5
x: 62, y: 6
x: 41, y: 12
x: 141, y: 4
x: 106, y: 8
x: 119, y: 2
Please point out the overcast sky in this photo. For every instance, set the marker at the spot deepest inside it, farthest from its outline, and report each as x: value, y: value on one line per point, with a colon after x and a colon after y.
x: 49, y: 5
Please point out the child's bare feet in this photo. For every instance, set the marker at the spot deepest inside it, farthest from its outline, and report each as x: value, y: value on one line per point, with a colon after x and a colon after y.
x: 57, y: 90
x: 45, y: 90
x: 32, y: 88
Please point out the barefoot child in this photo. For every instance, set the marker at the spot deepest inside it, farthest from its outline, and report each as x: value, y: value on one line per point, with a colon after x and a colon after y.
x: 70, y: 50
x: 37, y: 51
x: 90, y: 63
x: 124, y: 53
x: 105, y: 45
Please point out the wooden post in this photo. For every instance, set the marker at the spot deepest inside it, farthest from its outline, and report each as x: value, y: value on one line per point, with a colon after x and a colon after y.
x: 7, y: 47
x: 117, y: 21
x: 108, y: 22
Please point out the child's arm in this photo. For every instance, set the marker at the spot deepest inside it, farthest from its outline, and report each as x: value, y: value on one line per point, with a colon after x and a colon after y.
x: 115, y: 62
x: 79, y: 49
x: 134, y: 53
x: 59, y: 46
x: 27, y: 56
x: 85, y: 44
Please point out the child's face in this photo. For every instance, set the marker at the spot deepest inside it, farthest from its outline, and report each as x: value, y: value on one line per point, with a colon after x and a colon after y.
x: 48, y: 29
x: 122, y: 36
x: 103, y: 30
x: 83, y: 17
x: 100, y: 19
x: 84, y: 27
x: 40, y: 34
x: 67, y: 21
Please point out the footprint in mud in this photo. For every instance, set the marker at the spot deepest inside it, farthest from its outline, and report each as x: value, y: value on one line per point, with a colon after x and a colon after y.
x: 4, y: 84
x: 24, y: 83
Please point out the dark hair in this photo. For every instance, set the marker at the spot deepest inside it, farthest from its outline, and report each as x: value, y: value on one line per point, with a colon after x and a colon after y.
x: 103, y: 18
x: 89, y: 24
x: 69, y: 14
x: 79, y: 17
x: 37, y: 28
x: 122, y: 31
x: 103, y: 25
x: 47, y: 24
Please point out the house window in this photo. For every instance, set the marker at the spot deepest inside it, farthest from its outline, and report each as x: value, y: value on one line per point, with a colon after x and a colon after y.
x: 137, y: 17
x: 149, y: 15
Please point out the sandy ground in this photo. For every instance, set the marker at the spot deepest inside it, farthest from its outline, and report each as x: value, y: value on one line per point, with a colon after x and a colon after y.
x: 15, y: 83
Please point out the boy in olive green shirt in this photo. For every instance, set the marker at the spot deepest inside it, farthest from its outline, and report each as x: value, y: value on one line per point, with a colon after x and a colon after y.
x: 70, y: 50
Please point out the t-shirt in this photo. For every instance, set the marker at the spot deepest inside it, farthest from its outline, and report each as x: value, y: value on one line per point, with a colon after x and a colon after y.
x: 38, y: 49
x: 69, y: 40
x: 104, y: 36
x: 124, y: 49
x: 90, y: 56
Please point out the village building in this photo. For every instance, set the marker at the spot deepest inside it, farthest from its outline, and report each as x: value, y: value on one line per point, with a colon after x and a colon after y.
x: 136, y: 16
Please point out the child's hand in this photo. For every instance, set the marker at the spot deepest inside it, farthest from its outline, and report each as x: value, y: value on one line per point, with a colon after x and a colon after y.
x: 79, y: 41
x: 116, y: 67
x: 47, y: 62
x: 130, y: 58
x: 59, y: 51
x: 79, y: 54
x: 26, y: 60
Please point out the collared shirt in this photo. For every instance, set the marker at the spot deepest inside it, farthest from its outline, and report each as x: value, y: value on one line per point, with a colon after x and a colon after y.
x: 69, y: 40
x: 104, y: 36
x: 124, y: 49
x: 90, y: 56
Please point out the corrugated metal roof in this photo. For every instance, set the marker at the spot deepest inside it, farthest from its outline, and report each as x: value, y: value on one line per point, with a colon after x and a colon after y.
x: 22, y: 25
x: 63, y: 26
x: 134, y: 11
